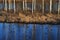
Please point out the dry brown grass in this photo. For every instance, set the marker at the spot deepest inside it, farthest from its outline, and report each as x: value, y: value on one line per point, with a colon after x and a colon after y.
x: 37, y: 17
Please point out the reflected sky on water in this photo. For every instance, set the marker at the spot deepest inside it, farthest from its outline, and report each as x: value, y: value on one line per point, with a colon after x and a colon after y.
x: 15, y: 31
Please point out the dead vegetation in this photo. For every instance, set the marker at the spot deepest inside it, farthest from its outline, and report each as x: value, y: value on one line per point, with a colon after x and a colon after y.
x: 37, y: 17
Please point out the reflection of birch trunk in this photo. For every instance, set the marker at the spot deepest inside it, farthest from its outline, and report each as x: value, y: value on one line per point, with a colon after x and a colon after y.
x: 6, y: 5
x: 14, y: 6
x: 10, y: 31
x: 49, y: 31
x: 43, y: 6
x: 58, y: 28
x: 33, y: 31
x: 50, y: 6
x: 58, y: 7
x: 23, y: 5
x: 3, y: 31
x: 6, y: 29
x: 15, y: 31
x: 24, y: 31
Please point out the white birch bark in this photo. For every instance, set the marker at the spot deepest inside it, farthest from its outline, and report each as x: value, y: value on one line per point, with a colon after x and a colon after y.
x: 50, y: 6
x: 32, y: 6
x: 14, y: 6
x: 23, y: 5
x: 5, y: 5
x: 9, y: 4
x: 43, y: 6
x: 59, y: 7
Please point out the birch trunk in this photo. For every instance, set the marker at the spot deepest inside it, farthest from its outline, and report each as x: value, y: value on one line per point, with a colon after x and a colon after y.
x: 23, y: 5
x: 5, y: 5
x: 58, y: 7
x: 50, y: 6
x: 43, y: 6
x: 14, y: 6
x: 9, y: 4
x: 32, y: 6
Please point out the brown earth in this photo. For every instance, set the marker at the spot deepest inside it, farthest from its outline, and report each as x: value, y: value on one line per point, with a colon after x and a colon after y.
x: 36, y: 17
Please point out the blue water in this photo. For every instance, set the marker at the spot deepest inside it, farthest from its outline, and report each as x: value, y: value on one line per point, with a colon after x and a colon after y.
x: 16, y: 31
